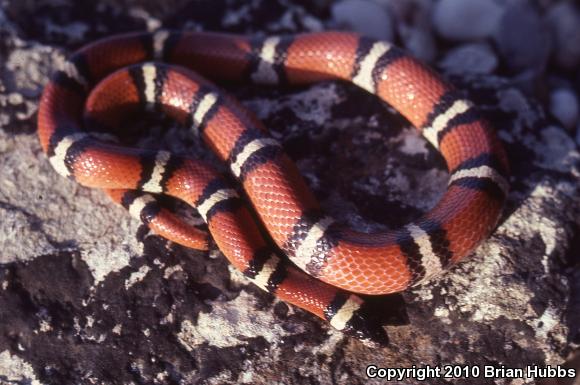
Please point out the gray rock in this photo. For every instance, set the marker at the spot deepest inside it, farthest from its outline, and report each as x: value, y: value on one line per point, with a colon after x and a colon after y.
x: 478, y: 58
x: 364, y: 16
x: 564, y: 20
x: 419, y: 42
x: 461, y: 20
x: 523, y: 38
x: 413, y: 20
x: 564, y: 106
x: 92, y: 297
x: 14, y: 370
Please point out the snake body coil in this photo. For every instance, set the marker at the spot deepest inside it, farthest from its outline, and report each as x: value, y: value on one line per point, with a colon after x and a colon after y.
x: 339, y: 261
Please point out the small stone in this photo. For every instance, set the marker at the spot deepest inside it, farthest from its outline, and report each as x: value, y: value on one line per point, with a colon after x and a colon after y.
x: 564, y: 106
x: 462, y: 20
x: 420, y: 42
x: 564, y: 19
x: 365, y: 17
x: 470, y: 58
x: 413, y: 25
x: 15, y: 98
x: 523, y: 38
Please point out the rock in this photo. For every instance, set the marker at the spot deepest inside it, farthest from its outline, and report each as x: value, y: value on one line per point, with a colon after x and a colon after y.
x: 93, y: 297
x: 461, y: 20
x: 564, y: 20
x: 564, y: 106
x: 419, y: 42
x: 478, y: 58
x: 523, y: 38
x: 365, y: 17
x: 413, y: 20
x: 14, y: 370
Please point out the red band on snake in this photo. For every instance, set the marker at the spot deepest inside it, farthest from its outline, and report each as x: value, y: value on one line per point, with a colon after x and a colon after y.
x: 104, y: 80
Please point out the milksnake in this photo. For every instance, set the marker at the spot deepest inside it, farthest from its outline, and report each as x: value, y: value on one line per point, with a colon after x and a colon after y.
x: 104, y: 82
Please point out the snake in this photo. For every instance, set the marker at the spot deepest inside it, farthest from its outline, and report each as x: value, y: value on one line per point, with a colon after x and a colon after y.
x: 262, y: 216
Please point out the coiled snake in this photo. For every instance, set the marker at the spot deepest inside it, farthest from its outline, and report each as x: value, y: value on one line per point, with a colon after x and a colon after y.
x: 104, y: 80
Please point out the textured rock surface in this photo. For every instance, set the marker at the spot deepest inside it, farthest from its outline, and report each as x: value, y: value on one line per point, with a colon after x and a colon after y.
x: 87, y: 295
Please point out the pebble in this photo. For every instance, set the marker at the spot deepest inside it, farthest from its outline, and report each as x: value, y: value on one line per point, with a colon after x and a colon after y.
x: 564, y: 20
x: 419, y: 42
x: 564, y: 106
x: 413, y: 26
x: 15, y: 98
x: 523, y: 38
x: 365, y: 17
x: 463, y: 20
x: 477, y: 58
